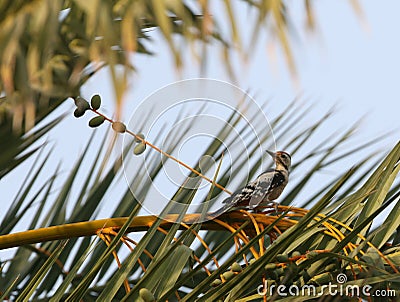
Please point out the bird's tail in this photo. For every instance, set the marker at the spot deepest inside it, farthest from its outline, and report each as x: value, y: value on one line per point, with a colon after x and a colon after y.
x: 219, y: 212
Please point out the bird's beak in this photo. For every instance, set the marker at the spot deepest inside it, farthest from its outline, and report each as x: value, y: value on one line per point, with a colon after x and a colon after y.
x: 271, y: 153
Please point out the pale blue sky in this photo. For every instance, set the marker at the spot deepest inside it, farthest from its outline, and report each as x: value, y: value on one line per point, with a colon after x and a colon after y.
x: 345, y: 63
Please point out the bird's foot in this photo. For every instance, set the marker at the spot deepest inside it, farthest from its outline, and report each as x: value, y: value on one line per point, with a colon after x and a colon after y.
x: 276, y: 205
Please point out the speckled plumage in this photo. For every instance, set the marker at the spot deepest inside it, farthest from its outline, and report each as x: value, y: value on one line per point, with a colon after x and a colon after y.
x: 267, y: 187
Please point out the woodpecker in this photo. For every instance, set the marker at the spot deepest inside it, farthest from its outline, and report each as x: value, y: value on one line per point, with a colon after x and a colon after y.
x: 267, y: 187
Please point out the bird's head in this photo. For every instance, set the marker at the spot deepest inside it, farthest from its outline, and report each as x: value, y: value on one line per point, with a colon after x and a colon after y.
x: 282, y: 159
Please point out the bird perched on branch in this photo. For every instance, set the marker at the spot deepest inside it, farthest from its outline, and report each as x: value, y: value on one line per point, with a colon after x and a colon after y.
x: 267, y: 187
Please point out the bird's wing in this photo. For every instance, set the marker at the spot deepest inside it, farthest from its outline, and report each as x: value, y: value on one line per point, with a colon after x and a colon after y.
x: 262, y: 186
x: 241, y: 194
x: 246, y: 191
x: 220, y: 211
x: 253, y: 193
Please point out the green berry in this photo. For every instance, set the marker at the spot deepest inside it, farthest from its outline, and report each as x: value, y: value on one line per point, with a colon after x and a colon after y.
x: 119, y: 127
x: 139, y: 148
x: 146, y: 295
x: 96, y: 121
x: 137, y: 140
x: 216, y: 282
x: 78, y: 112
x: 296, y: 254
x: 228, y: 275
x: 282, y: 257
x: 95, y: 101
x: 81, y: 103
x: 236, y: 267
x: 270, y: 266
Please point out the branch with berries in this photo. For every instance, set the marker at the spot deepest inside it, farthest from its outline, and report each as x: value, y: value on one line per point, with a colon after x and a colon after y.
x: 82, y: 105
